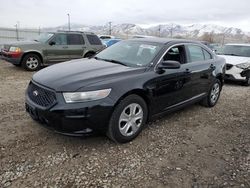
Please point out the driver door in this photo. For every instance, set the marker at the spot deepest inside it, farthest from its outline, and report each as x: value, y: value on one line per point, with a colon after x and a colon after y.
x: 172, y: 86
x: 57, y: 49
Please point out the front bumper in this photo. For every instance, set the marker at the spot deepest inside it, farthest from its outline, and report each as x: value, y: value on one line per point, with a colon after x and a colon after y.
x: 237, y: 74
x: 72, y: 119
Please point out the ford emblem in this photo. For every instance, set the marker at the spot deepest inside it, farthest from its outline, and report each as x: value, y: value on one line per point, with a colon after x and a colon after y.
x: 35, y: 93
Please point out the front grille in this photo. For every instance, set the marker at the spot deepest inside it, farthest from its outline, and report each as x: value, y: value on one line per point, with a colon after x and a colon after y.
x: 42, y: 97
x: 228, y: 66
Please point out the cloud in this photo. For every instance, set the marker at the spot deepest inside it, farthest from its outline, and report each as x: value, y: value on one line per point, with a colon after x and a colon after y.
x: 35, y: 13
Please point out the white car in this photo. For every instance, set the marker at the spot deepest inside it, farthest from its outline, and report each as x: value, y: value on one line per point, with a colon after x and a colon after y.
x: 237, y: 62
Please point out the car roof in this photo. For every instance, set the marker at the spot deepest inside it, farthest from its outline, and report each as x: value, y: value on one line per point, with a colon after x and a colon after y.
x: 74, y: 32
x: 164, y: 40
x: 238, y: 44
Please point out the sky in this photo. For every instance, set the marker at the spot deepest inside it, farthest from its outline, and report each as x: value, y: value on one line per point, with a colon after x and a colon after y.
x: 49, y: 13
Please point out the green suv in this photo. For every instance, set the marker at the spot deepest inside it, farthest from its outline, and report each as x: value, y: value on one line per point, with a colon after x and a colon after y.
x: 51, y: 48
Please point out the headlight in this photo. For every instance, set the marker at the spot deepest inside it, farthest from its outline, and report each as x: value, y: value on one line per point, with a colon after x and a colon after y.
x: 243, y: 65
x: 86, y: 96
x: 14, y: 49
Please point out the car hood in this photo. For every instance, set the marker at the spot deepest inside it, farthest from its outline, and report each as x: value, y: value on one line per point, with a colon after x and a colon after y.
x: 235, y: 60
x: 76, y: 74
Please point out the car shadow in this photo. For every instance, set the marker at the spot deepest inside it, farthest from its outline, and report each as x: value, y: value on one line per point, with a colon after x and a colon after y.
x: 233, y: 83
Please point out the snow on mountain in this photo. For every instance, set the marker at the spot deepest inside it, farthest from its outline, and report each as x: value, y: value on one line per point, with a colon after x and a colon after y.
x: 166, y: 30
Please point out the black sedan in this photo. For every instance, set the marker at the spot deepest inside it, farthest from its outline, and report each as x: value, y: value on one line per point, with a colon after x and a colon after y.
x: 124, y: 86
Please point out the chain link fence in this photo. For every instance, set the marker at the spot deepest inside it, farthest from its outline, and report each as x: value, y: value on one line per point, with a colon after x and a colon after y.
x: 12, y: 34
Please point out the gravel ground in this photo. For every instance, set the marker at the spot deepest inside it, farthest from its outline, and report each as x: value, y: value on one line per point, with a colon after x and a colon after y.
x: 195, y: 147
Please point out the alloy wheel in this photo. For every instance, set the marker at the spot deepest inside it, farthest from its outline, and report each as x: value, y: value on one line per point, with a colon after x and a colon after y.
x: 32, y: 63
x: 130, y: 119
x: 215, y: 92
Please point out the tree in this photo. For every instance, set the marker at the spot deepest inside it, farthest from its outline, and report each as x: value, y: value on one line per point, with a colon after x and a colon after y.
x: 208, y: 37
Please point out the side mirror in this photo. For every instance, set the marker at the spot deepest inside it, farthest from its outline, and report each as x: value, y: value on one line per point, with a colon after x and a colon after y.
x: 169, y: 64
x: 51, y: 43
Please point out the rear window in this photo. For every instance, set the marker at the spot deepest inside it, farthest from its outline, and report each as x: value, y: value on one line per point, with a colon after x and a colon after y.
x: 75, y: 39
x: 196, y: 53
x: 94, y: 40
x: 207, y: 55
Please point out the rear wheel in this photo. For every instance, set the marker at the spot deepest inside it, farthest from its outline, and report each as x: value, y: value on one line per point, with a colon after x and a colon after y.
x: 31, y: 62
x: 213, y: 95
x: 128, y: 119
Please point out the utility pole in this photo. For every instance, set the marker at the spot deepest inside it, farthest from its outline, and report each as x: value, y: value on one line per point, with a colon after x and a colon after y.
x: 17, y: 37
x: 171, y: 31
x: 69, y: 21
x: 159, y: 30
x: 223, y: 39
x: 110, y: 28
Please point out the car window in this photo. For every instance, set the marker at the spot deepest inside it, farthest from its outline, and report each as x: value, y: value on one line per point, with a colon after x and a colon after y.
x: 237, y: 50
x: 105, y: 37
x: 195, y: 53
x: 131, y: 53
x: 44, y: 37
x: 94, y: 40
x: 207, y: 55
x: 60, y: 39
x: 75, y: 39
x: 176, y: 53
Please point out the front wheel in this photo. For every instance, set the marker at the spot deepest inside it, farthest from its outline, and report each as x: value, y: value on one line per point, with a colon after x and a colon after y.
x: 247, y: 82
x: 31, y: 62
x: 213, y: 95
x: 89, y: 55
x: 128, y: 119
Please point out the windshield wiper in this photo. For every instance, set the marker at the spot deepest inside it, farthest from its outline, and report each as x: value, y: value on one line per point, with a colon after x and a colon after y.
x: 111, y: 60
x: 36, y: 40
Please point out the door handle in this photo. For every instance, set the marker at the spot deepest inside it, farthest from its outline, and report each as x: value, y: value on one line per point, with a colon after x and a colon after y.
x: 65, y: 47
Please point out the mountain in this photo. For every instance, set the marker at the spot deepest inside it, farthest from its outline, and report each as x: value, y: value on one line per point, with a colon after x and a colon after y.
x: 194, y: 31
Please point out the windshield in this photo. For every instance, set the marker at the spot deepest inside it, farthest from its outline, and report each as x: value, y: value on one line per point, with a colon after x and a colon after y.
x: 236, y: 50
x: 130, y: 53
x: 44, y: 37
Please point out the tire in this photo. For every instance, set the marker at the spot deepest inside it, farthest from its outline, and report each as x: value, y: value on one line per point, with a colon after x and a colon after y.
x: 247, y: 82
x: 31, y: 62
x: 213, y: 96
x: 124, y: 126
x: 88, y: 55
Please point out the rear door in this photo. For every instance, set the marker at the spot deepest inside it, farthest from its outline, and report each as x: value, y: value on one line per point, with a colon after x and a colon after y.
x: 200, y: 67
x: 57, y: 48
x: 76, y: 45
